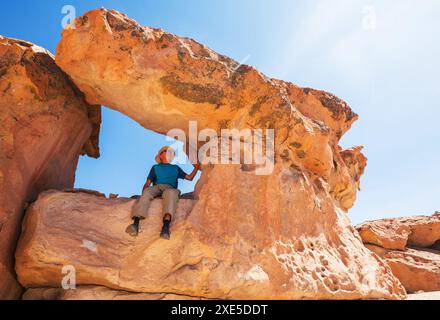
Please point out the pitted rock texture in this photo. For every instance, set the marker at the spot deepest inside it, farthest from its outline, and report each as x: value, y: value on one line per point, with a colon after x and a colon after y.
x: 398, y: 233
x: 410, y: 246
x: 163, y: 81
x: 285, y: 235
x: 233, y: 256
x: 45, y: 125
x: 417, y: 269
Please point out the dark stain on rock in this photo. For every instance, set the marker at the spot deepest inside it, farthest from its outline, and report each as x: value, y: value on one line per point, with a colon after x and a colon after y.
x: 46, y: 62
x: 166, y: 37
x: 301, y: 154
x: 296, y: 145
x: 332, y: 105
x: 270, y: 120
x: 36, y: 95
x: 181, y: 55
x: 317, y: 183
x: 8, y: 59
x: 257, y: 105
x: 3, y: 71
x: 339, y: 134
x: 285, y: 155
x: 238, y: 74
x: 193, y: 92
x: 45, y: 74
x: 223, y: 124
x: 117, y: 24
x: 318, y: 163
x: 137, y: 33
x: 248, y: 167
x: 81, y: 21
x: 336, y: 106
x: 7, y: 88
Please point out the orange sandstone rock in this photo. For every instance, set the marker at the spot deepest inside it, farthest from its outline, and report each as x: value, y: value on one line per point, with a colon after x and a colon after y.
x: 241, y: 251
x: 398, y: 233
x: 410, y: 246
x: 96, y: 293
x: 162, y: 81
x: 417, y: 269
x: 45, y: 125
x: 280, y: 236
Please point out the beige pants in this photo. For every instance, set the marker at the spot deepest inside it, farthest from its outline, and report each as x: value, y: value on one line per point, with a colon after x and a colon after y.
x: 170, y: 197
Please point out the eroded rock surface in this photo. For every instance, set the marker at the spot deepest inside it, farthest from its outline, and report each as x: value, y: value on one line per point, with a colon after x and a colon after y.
x: 398, y: 233
x: 231, y: 256
x: 96, y: 293
x: 410, y: 247
x: 45, y: 125
x: 163, y: 81
x: 285, y: 235
x: 417, y: 269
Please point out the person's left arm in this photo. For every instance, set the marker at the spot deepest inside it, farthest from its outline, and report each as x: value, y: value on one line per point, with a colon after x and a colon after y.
x: 191, y: 176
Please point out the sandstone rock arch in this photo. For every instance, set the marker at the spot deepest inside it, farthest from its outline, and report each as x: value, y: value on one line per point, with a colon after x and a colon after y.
x: 282, y: 236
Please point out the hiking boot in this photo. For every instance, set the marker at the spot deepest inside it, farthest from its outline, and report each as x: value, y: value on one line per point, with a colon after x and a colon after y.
x: 133, y: 229
x: 165, y: 233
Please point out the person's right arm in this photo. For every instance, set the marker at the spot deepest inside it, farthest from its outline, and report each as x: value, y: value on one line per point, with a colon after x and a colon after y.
x: 150, y: 179
x: 146, y: 185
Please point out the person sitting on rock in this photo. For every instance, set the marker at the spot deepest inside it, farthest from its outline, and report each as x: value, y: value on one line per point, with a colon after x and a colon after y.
x: 164, y: 177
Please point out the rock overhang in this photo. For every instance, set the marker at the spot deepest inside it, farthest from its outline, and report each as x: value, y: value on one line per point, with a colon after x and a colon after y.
x: 282, y: 236
x: 162, y: 81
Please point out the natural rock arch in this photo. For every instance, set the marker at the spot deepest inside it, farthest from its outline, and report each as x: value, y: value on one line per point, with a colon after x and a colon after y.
x: 282, y: 236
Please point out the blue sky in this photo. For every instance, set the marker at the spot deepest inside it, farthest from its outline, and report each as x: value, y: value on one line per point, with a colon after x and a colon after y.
x: 380, y: 56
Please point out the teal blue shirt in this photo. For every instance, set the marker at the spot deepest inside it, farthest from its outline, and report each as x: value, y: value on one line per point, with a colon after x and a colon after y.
x: 166, y: 174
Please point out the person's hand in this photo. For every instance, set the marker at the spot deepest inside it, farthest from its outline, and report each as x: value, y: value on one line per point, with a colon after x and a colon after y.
x: 197, y: 165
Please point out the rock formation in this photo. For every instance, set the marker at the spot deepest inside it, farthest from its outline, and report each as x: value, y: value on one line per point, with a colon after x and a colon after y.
x: 398, y: 233
x: 104, y: 238
x: 163, y: 81
x: 96, y: 293
x: 45, y: 124
x: 410, y: 246
x: 86, y: 231
x: 285, y: 235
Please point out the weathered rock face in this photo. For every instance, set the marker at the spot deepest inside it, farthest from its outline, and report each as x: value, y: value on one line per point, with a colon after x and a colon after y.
x: 96, y: 293
x: 410, y: 247
x: 280, y: 236
x: 44, y: 126
x: 417, y: 269
x: 162, y: 81
x: 233, y: 256
x: 420, y: 231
